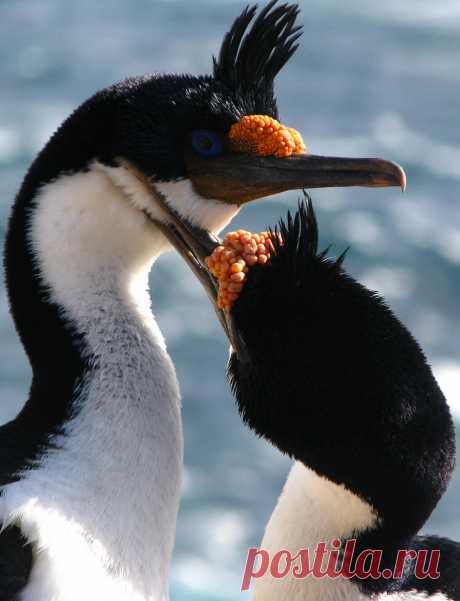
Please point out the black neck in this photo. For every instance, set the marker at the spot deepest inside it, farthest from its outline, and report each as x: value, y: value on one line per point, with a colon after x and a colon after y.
x: 332, y: 378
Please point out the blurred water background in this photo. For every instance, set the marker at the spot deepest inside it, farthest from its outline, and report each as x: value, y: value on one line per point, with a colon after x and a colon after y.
x: 370, y: 79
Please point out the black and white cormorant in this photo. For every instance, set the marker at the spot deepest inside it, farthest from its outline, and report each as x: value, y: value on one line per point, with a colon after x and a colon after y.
x: 90, y: 470
x: 322, y: 368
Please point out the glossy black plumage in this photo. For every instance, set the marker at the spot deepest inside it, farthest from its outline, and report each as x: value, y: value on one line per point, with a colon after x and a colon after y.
x: 327, y: 373
x: 249, y: 60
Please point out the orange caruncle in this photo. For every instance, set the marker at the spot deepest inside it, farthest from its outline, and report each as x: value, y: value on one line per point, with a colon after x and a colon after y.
x: 231, y: 261
x: 265, y: 136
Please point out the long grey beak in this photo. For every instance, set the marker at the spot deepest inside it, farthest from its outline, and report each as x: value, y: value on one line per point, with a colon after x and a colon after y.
x: 195, y: 244
x: 239, y: 178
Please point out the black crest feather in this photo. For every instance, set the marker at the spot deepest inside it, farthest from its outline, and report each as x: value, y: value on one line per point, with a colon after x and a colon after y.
x: 251, y: 57
x: 296, y: 240
x: 300, y: 233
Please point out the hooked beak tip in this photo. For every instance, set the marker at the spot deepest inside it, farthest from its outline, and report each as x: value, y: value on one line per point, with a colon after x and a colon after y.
x: 403, y: 179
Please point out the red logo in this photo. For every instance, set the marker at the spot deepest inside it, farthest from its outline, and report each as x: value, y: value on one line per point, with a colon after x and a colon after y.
x: 335, y: 560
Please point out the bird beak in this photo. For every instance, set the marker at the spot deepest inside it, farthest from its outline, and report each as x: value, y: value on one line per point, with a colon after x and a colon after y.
x: 237, y: 178
x: 194, y: 244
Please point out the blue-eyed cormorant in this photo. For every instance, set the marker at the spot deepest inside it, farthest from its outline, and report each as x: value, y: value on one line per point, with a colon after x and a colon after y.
x: 322, y: 368
x: 90, y: 469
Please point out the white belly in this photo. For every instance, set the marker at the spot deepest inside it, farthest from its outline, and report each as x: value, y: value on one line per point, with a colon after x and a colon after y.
x: 101, y: 508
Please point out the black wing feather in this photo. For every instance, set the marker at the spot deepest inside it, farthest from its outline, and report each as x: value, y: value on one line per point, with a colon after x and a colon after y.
x: 15, y: 563
x: 448, y: 583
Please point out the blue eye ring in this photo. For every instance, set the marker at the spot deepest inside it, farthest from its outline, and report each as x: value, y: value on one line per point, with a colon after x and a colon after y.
x: 206, y: 142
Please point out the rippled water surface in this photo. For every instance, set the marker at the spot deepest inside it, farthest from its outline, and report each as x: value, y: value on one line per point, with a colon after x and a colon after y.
x: 370, y: 78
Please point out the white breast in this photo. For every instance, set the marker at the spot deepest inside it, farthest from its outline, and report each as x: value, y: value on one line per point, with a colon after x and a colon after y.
x: 101, y: 508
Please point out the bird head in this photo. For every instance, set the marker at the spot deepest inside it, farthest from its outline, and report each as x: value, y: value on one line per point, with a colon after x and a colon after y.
x: 189, y: 151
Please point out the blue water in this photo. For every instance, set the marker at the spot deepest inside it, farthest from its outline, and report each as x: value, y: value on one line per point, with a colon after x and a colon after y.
x: 371, y: 78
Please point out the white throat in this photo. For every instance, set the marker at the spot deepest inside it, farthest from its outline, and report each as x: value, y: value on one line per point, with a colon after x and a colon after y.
x: 101, y: 508
x: 311, y: 510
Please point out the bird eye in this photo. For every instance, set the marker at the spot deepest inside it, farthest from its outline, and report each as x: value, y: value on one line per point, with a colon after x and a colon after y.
x: 206, y: 143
